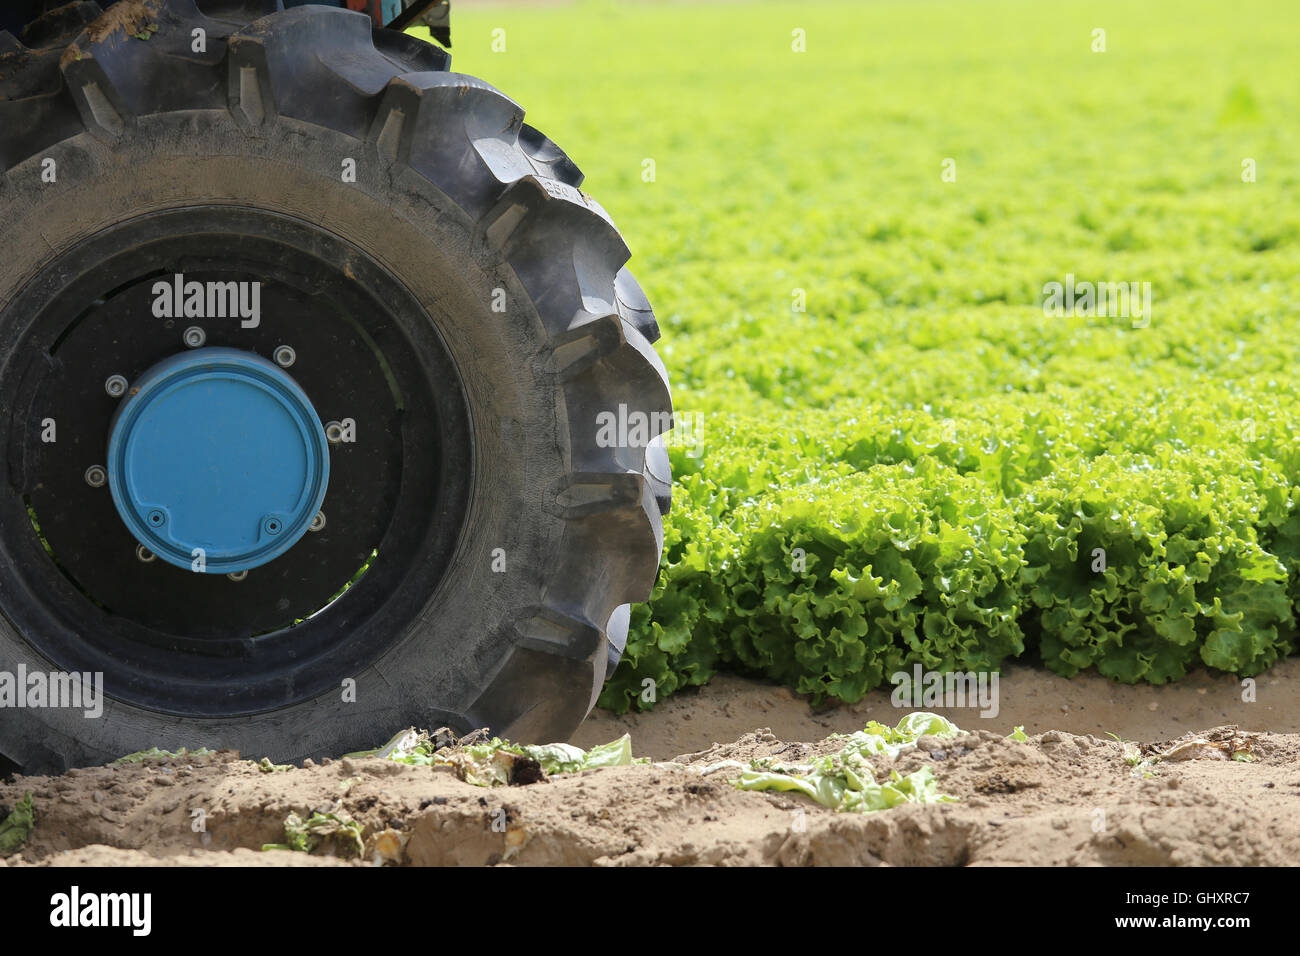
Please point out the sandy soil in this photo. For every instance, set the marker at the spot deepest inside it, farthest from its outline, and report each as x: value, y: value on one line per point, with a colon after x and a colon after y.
x: 1062, y: 798
x: 1030, y: 696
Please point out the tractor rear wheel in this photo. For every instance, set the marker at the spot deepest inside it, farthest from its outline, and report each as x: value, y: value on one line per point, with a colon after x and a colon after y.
x: 208, y: 195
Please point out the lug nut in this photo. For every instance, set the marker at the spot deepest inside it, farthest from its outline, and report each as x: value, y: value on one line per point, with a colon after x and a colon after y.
x: 96, y: 476
x: 334, y: 432
x: 143, y: 554
x: 284, y: 356
x: 194, y: 337
x: 318, y: 522
x: 115, y: 385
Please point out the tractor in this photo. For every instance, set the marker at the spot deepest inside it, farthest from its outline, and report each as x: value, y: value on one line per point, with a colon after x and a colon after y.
x: 305, y: 343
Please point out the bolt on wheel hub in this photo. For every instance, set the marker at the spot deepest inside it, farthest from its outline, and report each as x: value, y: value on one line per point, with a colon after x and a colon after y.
x: 217, y: 461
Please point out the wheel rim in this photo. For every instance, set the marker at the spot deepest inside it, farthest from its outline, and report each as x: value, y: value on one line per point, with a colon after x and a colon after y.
x: 318, y: 610
x: 217, y: 461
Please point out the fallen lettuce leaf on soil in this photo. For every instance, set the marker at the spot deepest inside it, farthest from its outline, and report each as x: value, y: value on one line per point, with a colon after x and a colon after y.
x: 154, y: 753
x: 489, y: 764
x: 1141, y: 766
x: 15, y: 828
x: 566, y: 758
x: 845, y: 781
x: 498, y: 762
x: 558, y: 758
x: 1018, y: 735
x: 876, y: 738
x: 403, y: 742
x: 1221, y: 743
x: 338, y: 830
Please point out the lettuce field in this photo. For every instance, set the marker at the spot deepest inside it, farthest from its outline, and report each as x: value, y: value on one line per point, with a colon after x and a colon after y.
x: 847, y: 216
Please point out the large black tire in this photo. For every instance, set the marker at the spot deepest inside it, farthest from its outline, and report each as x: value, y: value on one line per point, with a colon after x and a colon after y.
x: 459, y: 207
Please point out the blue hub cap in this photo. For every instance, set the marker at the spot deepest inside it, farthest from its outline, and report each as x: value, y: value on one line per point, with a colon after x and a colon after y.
x: 219, y: 450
